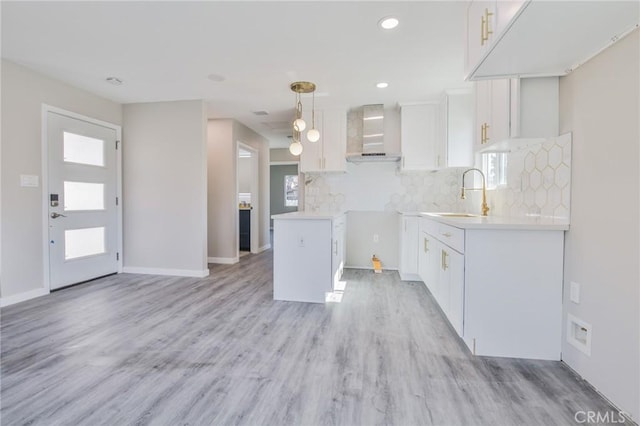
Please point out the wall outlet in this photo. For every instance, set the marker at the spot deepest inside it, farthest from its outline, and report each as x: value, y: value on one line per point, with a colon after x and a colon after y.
x: 574, y: 292
x: 579, y: 334
x: 376, y: 238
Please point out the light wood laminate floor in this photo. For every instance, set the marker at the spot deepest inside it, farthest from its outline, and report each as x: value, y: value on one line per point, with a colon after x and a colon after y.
x: 139, y: 349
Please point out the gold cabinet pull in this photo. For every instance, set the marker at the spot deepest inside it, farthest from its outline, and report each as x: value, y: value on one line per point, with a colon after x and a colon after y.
x: 444, y: 260
x: 426, y: 245
x: 484, y: 27
x: 486, y: 133
x: 446, y: 234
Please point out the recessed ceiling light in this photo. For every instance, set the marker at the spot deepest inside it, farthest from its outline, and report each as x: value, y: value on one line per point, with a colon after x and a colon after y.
x: 115, y: 81
x: 388, y: 23
x: 382, y: 85
x: 216, y: 77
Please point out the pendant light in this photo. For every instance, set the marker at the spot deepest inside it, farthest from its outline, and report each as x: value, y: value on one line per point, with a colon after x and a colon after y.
x: 299, y: 125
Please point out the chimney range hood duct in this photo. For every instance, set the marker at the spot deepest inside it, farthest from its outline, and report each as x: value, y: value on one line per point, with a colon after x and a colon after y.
x: 372, y: 137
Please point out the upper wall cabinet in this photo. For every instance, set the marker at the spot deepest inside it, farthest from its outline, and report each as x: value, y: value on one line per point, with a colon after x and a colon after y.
x: 437, y: 135
x: 515, y: 109
x: 328, y: 154
x: 456, y: 129
x: 541, y: 38
x: 419, y: 136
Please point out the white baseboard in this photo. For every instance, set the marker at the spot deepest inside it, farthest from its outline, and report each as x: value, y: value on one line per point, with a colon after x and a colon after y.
x: 224, y: 260
x: 21, y: 297
x: 264, y: 247
x: 161, y: 271
x: 410, y: 277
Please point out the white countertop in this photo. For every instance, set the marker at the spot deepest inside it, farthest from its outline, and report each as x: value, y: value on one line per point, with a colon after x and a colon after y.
x: 530, y: 223
x: 307, y: 215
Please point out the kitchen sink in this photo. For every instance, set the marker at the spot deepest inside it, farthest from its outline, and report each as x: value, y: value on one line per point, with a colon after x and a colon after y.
x: 456, y: 214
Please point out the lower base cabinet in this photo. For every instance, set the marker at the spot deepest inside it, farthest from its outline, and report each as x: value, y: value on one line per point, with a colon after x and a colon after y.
x: 501, y: 290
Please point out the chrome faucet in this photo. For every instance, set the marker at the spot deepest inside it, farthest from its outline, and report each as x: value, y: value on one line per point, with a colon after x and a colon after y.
x: 485, y: 207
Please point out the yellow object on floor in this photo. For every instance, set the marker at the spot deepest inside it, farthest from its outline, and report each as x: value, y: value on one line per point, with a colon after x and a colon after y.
x: 377, y: 266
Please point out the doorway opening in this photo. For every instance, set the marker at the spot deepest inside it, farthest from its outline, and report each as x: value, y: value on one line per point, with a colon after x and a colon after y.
x: 248, y: 199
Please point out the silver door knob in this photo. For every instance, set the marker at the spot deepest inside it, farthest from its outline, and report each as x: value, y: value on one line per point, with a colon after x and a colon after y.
x: 55, y: 215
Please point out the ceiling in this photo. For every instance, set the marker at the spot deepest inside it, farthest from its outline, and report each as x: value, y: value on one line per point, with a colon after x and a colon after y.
x: 165, y: 51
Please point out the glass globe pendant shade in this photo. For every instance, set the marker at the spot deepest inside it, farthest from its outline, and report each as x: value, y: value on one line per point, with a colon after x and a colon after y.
x: 295, y: 148
x: 313, y: 135
x: 299, y: 125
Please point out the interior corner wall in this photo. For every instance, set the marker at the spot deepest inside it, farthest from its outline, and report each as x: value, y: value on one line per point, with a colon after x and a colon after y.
x: 599, y: 104
x: 223, y: 136
x: 221, y: 201
x: 23, y: 94
x: 165, y: 188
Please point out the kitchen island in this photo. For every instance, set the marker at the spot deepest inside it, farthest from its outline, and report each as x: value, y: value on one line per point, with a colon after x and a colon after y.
x: 308, y: 255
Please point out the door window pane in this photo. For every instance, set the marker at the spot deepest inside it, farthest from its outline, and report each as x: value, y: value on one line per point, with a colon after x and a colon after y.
x: 291, y: 190
x: 83, y: 149
x: 83, y: 242
x: 83, y: 196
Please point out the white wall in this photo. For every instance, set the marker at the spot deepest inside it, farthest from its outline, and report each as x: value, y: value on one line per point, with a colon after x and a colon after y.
x: 165, y: 188
x: 362, y: 229
x: 599, y: 104
x: 23, y: 93
x: 244, y: 174
x: 223, y: 135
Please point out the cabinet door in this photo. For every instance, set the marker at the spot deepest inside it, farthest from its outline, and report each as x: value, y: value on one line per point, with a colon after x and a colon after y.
x: 311, y: 157
x: 480, y: 29
x: 455, y: 269
x: 428, y: 263
x: 500, y: 111
x: 483, y: 111
x: 334, y: 140
x: 459, y: 134
x: 409, y: 245
x: 418, y: 136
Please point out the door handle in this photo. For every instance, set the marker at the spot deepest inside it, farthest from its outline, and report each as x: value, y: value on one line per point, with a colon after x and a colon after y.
x: 55, y: 215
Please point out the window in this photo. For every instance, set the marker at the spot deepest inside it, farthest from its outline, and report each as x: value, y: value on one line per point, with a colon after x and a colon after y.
x: 291, y: 191
x: 494, y: 166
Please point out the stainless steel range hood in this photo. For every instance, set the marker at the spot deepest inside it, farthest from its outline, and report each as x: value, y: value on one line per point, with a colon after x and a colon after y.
x: 372, y: 137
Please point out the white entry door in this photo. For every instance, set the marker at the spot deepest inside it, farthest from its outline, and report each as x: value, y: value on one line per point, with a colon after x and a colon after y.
x: 83, y: 213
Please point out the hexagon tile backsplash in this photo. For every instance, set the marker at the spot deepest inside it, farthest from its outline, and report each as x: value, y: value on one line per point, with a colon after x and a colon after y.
x: 538, y: 183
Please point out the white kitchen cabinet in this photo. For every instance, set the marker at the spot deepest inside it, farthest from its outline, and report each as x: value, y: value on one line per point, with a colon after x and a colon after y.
x: 541, y: 38
x: 338, y: 244
x: 509, y: 110
x: 409, y: 247
x: 451, y: 285
x: 419, y: 136
x: 327, y: 154
x: 480, y: 31
x: 501, y: 289
x: 455, y: 147
x: 308, y: 255
x: 493, y: 112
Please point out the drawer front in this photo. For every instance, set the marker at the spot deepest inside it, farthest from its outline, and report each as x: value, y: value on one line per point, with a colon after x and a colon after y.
x: 451, y: 236
x: 429, y: 226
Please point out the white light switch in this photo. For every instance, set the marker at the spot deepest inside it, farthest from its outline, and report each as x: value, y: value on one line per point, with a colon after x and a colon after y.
x: 30, y: 181
x: 574, y: 292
